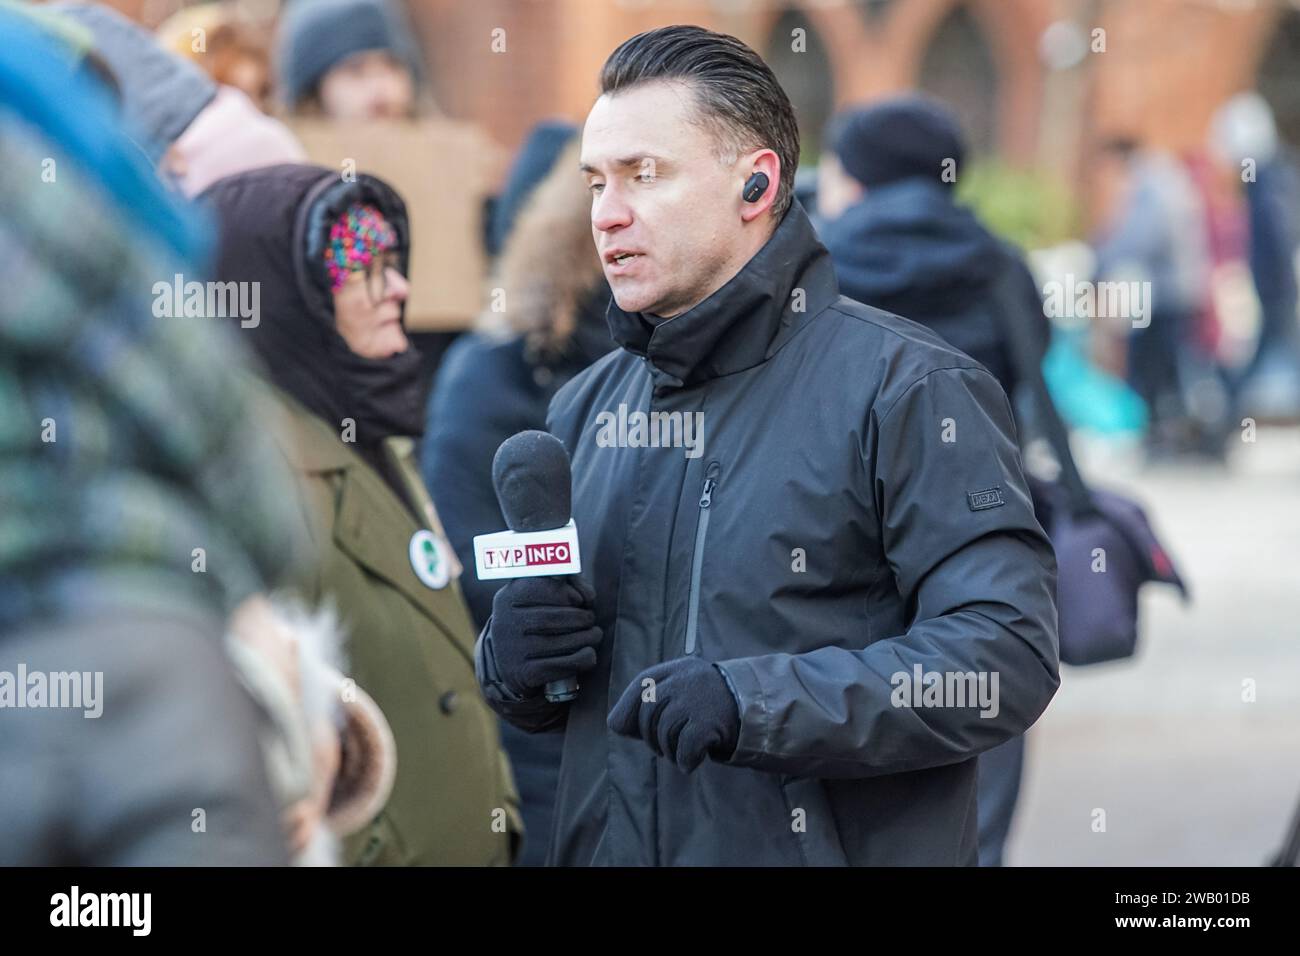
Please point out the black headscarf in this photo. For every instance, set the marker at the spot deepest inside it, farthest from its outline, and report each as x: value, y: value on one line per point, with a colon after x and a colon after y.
x: 274, y: 225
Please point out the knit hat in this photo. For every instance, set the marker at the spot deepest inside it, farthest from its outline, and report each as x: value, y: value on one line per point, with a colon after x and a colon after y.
x: 161, y: 92
x: 316, y: 35
x: 356, y: 238
x: 901, y: 138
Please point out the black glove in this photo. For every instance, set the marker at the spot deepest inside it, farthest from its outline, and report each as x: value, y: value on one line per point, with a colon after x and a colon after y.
x: 542, y: 629
x: 691, y: 715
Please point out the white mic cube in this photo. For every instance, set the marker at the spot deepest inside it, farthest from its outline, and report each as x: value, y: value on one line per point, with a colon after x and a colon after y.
x: 527, y: 554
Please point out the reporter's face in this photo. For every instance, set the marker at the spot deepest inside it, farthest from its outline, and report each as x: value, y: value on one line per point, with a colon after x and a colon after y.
x: 660, y: 191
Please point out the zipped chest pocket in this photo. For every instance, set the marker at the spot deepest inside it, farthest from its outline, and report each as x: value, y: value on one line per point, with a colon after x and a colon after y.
x: 711, y: 475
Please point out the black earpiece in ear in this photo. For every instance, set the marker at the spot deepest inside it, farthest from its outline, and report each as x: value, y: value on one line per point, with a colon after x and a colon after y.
x: 755, y: 186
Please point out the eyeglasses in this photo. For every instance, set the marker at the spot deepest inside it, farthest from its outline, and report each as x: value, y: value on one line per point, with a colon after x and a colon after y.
x: 376, y: 273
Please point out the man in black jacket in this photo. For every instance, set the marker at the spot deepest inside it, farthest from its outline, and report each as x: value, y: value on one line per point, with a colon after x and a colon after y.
x: 816, y: 589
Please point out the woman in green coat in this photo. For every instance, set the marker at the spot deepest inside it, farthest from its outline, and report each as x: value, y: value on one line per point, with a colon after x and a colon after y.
x: 320, y: 263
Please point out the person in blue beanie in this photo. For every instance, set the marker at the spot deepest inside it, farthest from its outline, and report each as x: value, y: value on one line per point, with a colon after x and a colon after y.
x: 900, y: 241
x: 348, y: 60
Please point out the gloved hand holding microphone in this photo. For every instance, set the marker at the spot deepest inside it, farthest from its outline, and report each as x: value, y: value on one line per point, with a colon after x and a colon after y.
x: 542, y: 630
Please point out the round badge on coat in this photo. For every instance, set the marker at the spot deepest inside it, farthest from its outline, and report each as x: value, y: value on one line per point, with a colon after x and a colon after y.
x: 428, y: 561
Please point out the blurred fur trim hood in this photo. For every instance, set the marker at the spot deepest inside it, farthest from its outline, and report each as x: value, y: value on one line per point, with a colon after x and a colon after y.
x: 548, y: 267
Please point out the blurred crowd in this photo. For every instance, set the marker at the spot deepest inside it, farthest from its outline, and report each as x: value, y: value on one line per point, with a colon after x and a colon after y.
x: 1210, y: 238
x: 259, y: 525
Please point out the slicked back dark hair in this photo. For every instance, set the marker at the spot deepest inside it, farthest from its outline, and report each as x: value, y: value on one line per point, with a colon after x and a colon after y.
x: 739, y: 99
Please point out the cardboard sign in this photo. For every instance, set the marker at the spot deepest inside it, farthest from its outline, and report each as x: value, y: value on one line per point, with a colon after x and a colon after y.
x: 444, y: 170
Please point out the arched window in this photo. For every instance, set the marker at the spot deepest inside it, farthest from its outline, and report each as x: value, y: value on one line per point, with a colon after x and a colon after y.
x: 873, y: 11
x: 959, y: 69
x: 805, y: 73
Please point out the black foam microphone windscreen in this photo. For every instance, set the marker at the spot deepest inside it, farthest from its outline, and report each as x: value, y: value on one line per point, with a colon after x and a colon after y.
x: 533, y: 482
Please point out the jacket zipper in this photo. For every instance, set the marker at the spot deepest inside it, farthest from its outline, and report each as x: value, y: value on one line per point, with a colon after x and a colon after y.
x: 697, y: 560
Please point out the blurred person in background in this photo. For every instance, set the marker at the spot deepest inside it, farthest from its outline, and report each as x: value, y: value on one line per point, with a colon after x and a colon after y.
x: 195, y: 130
x: 1244, y: 137
x: 330, y: 258
x: 1154, y: 237
x: 535, y: 159
x: 900, y: 242
x: 1227, y: 238
x: 354, y: 62
x: 325, y: 746
x: 231, y: 50
x: 499, y: 380
x: 127, y: 456
x: 348, y: 60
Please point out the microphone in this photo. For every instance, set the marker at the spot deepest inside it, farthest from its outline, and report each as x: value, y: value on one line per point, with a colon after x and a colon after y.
x: 534, y: 485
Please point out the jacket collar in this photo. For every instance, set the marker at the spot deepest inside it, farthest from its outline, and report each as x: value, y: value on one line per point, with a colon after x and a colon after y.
x: 374, y: 528
x: 371, y: 525
x: 743, y: 323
